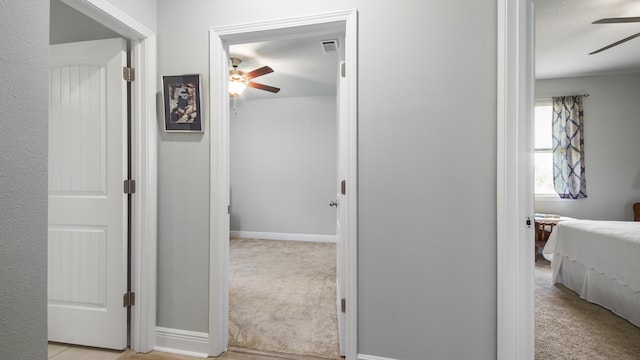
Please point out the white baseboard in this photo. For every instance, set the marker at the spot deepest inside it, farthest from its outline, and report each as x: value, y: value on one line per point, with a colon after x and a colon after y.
x: 282, y: 236
x: 182, y: 342
x: 371, y: 357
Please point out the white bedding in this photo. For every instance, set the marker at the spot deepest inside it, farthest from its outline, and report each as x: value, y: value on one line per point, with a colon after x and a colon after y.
x: 609, y: 247
x: 599, y: 260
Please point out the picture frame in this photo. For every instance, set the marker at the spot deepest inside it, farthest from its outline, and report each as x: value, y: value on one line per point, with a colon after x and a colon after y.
x: 182, y: 103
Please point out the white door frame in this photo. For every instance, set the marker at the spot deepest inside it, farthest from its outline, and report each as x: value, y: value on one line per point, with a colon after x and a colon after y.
x: 220, y: 38
x: 515, y: 303
x: 144, y: 133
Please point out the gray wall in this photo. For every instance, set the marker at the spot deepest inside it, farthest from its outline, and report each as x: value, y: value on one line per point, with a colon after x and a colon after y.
x: 427, y: 172
x: 612, y: 149
x: 144, y: 11
x: 23, y: 178
x: 69, y: 25
x: 283, y: 165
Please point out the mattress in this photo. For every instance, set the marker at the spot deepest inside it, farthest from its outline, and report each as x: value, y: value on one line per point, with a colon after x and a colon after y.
x: 599, y: 260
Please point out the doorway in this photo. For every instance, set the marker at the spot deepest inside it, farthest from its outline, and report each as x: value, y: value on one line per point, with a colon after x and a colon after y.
x: 144, y: 134
x: 88, y: 217
x: 515, y: 334
x: 220, y: 40
x: 283, y: 171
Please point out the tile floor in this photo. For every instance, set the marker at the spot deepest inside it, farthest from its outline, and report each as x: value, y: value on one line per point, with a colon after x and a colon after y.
x: 58, y: 351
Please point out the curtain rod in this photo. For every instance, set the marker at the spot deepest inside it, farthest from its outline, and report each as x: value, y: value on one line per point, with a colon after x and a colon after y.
x: 551, y: 97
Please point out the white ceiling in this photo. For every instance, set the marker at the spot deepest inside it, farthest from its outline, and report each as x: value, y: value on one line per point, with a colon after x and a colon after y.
x: 565, y: 36
x: 300, y: 67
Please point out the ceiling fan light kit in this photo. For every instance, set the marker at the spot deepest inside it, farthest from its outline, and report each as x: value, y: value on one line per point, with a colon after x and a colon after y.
x: 239, y: 80
x: 237, y: 83
x: 619, y: 20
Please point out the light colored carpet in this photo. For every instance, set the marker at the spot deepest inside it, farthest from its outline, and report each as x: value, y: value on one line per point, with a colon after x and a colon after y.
x: 282, y: 297
x: 568, y: 327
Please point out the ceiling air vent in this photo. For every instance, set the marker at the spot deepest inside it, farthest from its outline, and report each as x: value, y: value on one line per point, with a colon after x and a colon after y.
x: 329, y: 47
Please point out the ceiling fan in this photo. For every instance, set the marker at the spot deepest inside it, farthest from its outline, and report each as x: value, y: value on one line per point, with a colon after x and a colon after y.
x: 617, y: 21
x: 239, y: 80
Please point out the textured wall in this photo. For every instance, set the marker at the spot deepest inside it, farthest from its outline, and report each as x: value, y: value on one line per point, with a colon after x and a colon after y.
x: 23, y: 178
x: 144, y: 11
x: 69, y: 25
x: 611, y: 130
x: 283, y: 165
x: 427, y: 171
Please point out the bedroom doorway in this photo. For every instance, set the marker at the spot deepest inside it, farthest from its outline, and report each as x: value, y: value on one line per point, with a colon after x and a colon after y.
x: 575, y: 282
x: 283, y: 170
x: 220, y: 40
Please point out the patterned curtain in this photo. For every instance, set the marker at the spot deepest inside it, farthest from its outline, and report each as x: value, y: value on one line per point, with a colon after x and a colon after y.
x: 568, y: 147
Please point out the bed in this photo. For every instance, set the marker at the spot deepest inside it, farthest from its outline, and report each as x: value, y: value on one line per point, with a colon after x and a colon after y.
x: 600, y: 261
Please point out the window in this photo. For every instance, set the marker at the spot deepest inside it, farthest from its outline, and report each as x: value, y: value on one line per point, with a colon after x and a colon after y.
x: 543, y: 149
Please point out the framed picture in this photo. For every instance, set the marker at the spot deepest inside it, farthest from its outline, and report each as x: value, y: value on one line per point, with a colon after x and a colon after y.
x: 182, y: 99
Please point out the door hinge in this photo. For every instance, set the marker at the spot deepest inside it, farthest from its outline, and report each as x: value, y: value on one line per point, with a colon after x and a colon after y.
x: 343, y: 70
x: 129, y: 186
x: 128, y: 74
x: 528, y: 223
x: 343, y: 187
x: 129, y: 299
x: 343, y: 305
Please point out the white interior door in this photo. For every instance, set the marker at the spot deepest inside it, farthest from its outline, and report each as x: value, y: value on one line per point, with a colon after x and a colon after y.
x: 341, y: 215
x: 87, y: 265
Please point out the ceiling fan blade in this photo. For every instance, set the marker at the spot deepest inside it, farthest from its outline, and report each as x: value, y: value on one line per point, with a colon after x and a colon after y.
x: 258, y: 72
x: 618, y: 20
x: 616, y: 43
x: 263, y: 87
